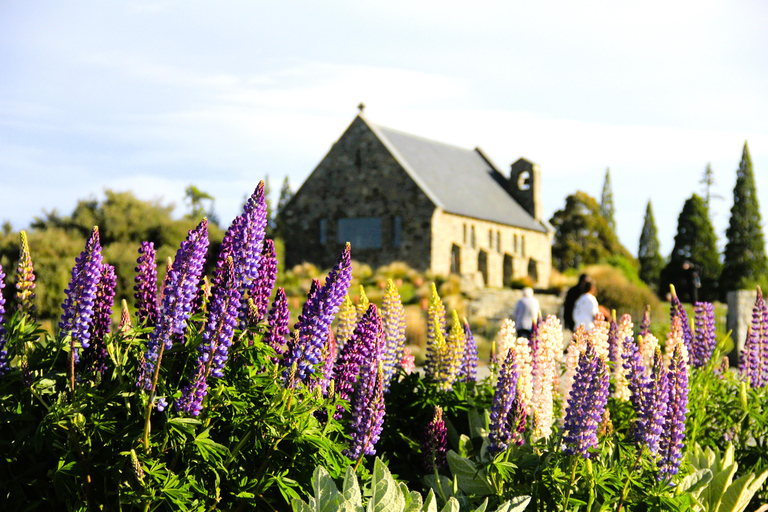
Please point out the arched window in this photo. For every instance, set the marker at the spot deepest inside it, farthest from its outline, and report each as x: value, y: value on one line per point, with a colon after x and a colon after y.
x: 472, y: 237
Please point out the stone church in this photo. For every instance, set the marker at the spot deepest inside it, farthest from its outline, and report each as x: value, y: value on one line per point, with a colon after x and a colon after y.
x: 437, y: 207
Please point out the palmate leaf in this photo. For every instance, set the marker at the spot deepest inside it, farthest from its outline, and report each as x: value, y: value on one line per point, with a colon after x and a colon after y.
x: 471, y: 479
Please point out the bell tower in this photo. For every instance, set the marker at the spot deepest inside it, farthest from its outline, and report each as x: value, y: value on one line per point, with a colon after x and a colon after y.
x: 525, y: 186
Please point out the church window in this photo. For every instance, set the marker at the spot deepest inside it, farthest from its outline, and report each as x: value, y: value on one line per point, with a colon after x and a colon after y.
x: 361, y: 232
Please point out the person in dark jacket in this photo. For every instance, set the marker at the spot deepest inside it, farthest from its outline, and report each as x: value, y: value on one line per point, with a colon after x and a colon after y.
x: 571, y: 296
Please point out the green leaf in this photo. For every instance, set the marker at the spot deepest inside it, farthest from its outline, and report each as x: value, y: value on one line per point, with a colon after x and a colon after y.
x: 300, y: 506
x: 351, y: 488
x: 327, y: 497
x: 516, y: 504
x: 385, y: 495
x: 713, y: 494
x: 740, y: 492
x: 482, y: 506
x: 445, y: 484
x: 476, y: 423
x: 465, y: 446
x: 415, y: 503
x: 430, y: 504
x: 694, y: 482
x: 471, y: 479
x: 451, y: 506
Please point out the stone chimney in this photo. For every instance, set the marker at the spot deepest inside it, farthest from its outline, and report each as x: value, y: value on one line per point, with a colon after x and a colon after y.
x: 525, y: 186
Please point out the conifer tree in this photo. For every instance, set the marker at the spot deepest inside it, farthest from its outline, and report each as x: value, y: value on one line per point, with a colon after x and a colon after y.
x: 606, y: 201
x: 696, y: 249
x: 286, y: 194
x: 744, y: 262
x: 651, y: 261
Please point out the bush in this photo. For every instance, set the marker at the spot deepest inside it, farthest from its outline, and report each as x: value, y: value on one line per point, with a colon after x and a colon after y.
x: 616, y: 291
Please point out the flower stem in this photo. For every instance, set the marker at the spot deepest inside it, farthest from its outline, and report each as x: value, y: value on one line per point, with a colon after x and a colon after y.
x: 145, y: 438
x: 574, y: 465
x: 626, y: 486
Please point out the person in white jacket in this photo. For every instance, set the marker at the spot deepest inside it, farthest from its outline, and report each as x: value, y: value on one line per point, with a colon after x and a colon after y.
x: 586, y: 307
x: 526, y: 312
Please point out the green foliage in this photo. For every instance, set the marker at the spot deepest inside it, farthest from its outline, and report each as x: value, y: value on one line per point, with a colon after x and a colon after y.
x: 744, y: 261
x: 124, y: 222
x: 286, y: 194
x: 616, y: 289
x: 696, y: 246
x: 582, y: 235
x: 651, y: 261
x: 606, y: 202
x: 386, y: 496
x: 195, y: 197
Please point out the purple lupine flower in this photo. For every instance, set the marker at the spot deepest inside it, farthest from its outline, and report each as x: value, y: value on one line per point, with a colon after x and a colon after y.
x: 676, y: 309
x: 435, y: 442
x: 671, y: 443
x: 704, y: 339
x: 613, y: 340
x: 217, y: 338
x: 4, y: 366
x: 355, y: 353
x: 78, y: 306
x: 752, y: 360
x: 367, y: 412
x: 145, y: 289
x: 179, y: 292
x: 648, y: 395
x: 469, y: 367
x: 161, y: 403
x: 277, y: 324
x: 95, y: 357
x: 261, y: 288
x: 393, y: 327
x: 316, y: 317
x: 499, y: 429
x: 25, y: 278
x: 645, y: 324
x: 586, y: 403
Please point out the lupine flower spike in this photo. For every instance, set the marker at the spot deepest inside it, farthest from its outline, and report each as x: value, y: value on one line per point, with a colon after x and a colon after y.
x: 645, y: 324
x: 316, y: 318
x: 623, y: 333
x: 95, y: 358
x: 469, y: 366
x: 545, y: 373
x: 4, y: 366
x: 145, y: 289
x: 704, y: 341
x: 454, y: 357
x: 347, y: 319
x: 586, y: 403
x: 217, y: 338
x: 671, y: 443
x: 78, y: 307
x: 362, y: 302
x: 179, y: 293
x: 261, y: 289
x: 277, y: 324
x: 504, y: 405
x: 355, y: 353
x: 367, y: 413
x: 676, y: 309
x: 435, y: 327
x: 648, y: 396
x: 393, y: 327
x: 25, y: 278
x: 435, y: 442
x: 753, y: 356
x: 125, y: 318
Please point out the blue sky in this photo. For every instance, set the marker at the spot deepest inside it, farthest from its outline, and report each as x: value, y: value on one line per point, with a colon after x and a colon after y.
x: 154, y: 96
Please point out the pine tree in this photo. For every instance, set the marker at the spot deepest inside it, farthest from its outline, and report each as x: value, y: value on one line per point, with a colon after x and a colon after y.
x: 744, y: 262
x: 606, y: 201
x: 708, y: 180
x: 695, y: 248
x: 651, y: 261
x: 286, y: 194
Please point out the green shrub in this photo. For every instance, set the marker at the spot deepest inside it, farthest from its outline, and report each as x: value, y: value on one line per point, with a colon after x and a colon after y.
x: 616, y: 291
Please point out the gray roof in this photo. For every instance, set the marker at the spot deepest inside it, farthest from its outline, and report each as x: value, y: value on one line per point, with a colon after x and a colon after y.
x: 461, y: 181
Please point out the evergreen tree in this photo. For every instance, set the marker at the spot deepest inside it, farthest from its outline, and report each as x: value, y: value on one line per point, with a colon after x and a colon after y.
x: 744, y: 262
x: 582, y: 235
x: 606, y: 201
x: 286, y: 194
x: 651, y: 261
x: 694, y: 257
x: 708, y: 180
x: 270, y: 214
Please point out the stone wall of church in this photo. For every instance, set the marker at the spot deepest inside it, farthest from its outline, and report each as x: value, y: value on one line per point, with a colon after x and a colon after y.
x: 359, y: 184
x: 498, y: 252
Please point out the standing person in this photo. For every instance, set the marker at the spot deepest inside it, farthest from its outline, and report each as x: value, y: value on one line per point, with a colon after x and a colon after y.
x: 586, y: 306
x: 571, y: 296
x: 526, y: 312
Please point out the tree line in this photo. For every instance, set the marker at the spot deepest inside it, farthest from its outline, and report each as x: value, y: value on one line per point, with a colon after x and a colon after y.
x: 585, y: 234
